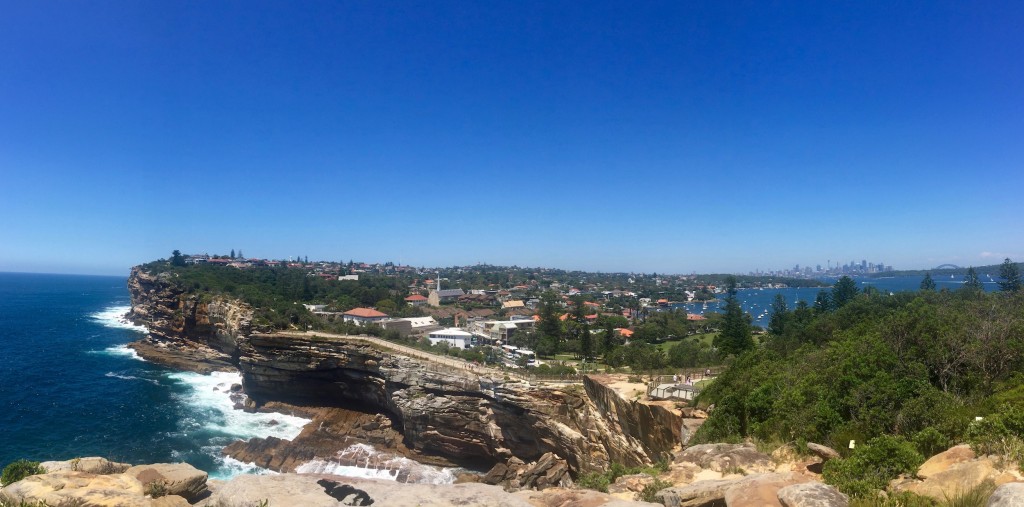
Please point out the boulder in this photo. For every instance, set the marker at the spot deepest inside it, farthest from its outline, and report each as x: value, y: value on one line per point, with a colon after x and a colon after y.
x: 761, y: 490
x: 559, y: 497
x: 628, y: 487
x: 179, y: 479
x: 727, y: 457
x: 697, y: 494
x: 1007, y: 495
x: 276, y: 490
x: 681, y: 474
x: 77, y: 488
x: 956, y: 479
x: 812, y: 494
x: 170, y: 501
x: 944, y: 460
x: 92, y: 465
x: 689, y: 428
x: 822, y: 451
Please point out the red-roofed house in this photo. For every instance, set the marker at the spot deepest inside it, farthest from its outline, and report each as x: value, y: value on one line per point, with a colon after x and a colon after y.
x: 625, y: 333
x: 364, y: 316
x: 416, y: 300
x: 693, y: 316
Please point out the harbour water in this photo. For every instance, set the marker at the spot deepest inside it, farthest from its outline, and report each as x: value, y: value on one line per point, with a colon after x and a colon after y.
x: 758, y: 302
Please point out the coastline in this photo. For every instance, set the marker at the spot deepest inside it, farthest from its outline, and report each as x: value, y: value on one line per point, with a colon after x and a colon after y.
x: 338, y: 440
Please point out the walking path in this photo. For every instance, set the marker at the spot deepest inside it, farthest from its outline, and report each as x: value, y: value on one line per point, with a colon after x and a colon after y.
x: 457, y: 364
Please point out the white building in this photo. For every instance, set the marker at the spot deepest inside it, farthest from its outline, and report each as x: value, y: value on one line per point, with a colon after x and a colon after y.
x: 454, y: 337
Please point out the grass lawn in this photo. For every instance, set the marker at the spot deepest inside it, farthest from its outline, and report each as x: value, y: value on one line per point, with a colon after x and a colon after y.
x: 702, y: 338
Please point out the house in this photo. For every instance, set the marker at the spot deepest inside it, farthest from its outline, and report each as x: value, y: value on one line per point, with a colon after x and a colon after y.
x: 438, y: 297
x: 416, y: 300
x: 364, y: 316
x: 514, y: 303
x: 454, y: 337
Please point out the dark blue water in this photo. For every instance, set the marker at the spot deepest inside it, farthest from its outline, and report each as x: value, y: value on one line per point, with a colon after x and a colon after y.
x: 758, y: 302
x: 69, y: 387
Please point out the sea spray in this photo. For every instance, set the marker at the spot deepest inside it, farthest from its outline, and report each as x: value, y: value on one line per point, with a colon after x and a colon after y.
x: 114, y: 317
x: 361, y: 460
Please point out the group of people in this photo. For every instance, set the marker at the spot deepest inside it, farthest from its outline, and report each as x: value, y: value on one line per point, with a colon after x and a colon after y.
x: 689, y: 378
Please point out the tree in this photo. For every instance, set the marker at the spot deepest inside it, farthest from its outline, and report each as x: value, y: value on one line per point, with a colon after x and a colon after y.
x: 1010, y: 276
x: 550, y: 327
x: 971, y: 282
x: 177, y: 259
x: 608, y: 338
x: 586, y: 343
x: 843, y: 292
x: 735, y: 336
x: 927, y: 283
x: 780, y: 314
x: 823, y: 302
x: 232, y: 253
x: 240, y: 256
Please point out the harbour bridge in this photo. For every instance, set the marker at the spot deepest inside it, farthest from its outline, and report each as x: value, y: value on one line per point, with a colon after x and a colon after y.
x: 947, y: 266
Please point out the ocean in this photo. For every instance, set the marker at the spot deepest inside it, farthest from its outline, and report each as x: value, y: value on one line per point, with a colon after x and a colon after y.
x: 758, y: 302
x: 69, y: 387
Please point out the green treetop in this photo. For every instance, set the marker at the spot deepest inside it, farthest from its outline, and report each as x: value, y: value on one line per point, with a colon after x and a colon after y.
x: 1010, y: 276
x: 735, y: 336
x: 927, y: 283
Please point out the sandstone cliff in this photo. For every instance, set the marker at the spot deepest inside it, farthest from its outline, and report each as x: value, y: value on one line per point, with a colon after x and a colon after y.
x: 462, y: 416
x: 187, y: 331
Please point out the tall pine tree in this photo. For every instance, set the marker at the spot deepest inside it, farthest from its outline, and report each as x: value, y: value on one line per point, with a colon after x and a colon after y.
x: 735, y: 337
x: 1010, y: 276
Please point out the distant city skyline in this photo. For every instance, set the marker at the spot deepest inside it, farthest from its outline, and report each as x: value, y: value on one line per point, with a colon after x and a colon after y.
x: 668, y: 137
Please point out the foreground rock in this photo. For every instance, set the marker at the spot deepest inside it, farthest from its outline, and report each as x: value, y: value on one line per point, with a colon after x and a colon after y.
x: 548, y: 471
x: 330, y: 491
x: 179, y: 479
x: 93, y: 465
x: 77, y: 488
x: 1007, y: 495
x: 727, y: 457
x: 759, y: 490
x: 956, y: 478
x: 812, y: 494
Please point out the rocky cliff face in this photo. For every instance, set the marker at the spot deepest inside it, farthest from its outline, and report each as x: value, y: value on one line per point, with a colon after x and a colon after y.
x: 187, y: 331
x: 655, y: 425
x: 471, y: 419
x: 465, y: 417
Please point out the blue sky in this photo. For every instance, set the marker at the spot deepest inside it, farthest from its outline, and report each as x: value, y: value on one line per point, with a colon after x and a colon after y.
x: 623, y: 136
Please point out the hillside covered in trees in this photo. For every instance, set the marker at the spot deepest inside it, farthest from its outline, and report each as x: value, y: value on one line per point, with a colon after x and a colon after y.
x: 916, y: 368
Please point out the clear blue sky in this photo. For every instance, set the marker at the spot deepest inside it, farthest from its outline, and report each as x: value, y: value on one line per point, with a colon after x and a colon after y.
x: 626, y: 136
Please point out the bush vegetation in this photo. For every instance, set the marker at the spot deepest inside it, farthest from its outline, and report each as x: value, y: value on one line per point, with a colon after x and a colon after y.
x: 601, y: 480
x: 20, y: 469
x: 918, y: 366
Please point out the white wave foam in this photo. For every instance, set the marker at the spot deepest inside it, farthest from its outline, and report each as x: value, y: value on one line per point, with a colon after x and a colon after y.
x: 228, y: 467
x: 386, y: 467
x: 119, y: 350
x: 130, y: 377
x: 114, y: 317
x: 210, y: 395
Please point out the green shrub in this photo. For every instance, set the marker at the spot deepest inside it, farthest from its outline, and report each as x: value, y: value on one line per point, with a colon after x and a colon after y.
x: 930, y: 442
x: 647, y: 495
x: 1001, y: 434
x: 595, y: 480
x: 870, y: 467
x: 20, y: 469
